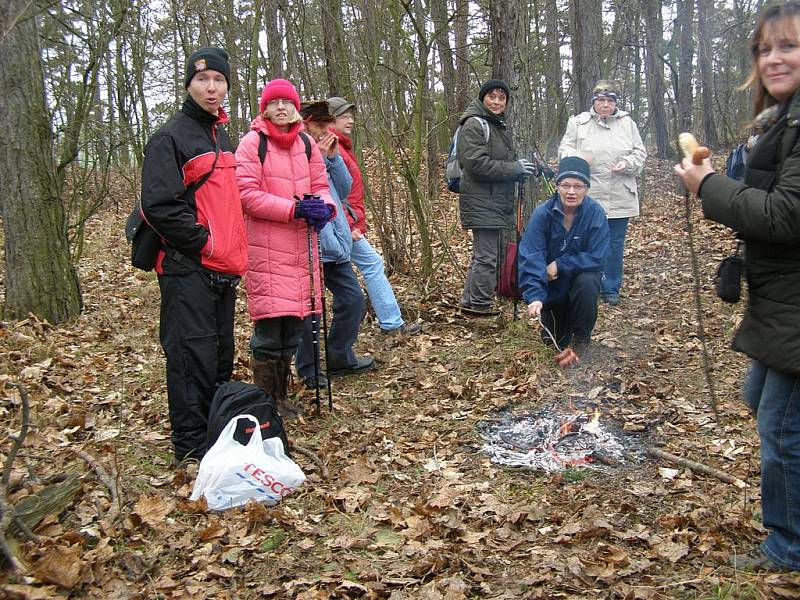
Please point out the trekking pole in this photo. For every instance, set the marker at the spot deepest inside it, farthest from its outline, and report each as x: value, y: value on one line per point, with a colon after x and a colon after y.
x: 687, y: 145
x: 324, y: 323
x: 520, y: 200
x: 314, y: 321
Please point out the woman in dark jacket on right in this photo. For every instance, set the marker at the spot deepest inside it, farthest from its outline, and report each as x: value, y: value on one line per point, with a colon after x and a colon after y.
x: 765, y: 211
x: 486, y: 197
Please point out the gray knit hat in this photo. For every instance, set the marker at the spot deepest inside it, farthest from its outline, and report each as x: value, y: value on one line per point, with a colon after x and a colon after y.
x: 574, y: 166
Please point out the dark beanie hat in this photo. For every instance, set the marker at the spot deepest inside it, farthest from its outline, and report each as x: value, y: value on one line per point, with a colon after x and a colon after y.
x: 203, y: 59
x: 574, y: 166
x: 493, y: 84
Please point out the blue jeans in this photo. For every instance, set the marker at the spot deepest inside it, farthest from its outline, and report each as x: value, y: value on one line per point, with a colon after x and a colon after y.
x: 370, y: 264
x: 612, y: 267
x: 348, y: 305
x: 774, y: 397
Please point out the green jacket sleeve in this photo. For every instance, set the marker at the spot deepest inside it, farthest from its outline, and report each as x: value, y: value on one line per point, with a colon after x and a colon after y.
x: 475, y: 156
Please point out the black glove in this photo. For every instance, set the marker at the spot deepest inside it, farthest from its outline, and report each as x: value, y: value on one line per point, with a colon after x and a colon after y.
x: 315, y: 212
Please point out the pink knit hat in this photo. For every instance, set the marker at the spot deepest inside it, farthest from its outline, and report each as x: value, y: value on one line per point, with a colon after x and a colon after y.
x: 279, y: 88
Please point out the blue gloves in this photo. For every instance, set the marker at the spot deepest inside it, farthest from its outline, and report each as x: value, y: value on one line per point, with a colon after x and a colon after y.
x: 315, y: 212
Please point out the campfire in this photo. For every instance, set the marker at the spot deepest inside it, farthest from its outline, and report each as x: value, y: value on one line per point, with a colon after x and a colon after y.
x: 550, y: 441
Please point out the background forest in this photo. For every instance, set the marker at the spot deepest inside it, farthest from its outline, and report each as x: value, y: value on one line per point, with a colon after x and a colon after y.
x: 400, y: 502
x: 86, y: 82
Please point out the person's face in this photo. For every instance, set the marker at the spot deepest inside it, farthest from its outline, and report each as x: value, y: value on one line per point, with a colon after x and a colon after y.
x: 345, y: 122
x: 572, y: 191
x: 779, y: 58
x: 604, y: 106
x: 208, y: 88
x: 280, y: 111
x: 495, y: 101
x: 316, y: 129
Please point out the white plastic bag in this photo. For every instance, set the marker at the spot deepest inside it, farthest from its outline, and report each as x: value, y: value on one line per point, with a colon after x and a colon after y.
x: 232, y: 474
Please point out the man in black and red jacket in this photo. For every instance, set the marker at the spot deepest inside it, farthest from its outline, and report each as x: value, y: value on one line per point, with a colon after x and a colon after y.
x: 191, y: 199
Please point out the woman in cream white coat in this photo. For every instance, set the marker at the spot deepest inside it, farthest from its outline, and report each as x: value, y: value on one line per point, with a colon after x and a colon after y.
x: 610, y: 142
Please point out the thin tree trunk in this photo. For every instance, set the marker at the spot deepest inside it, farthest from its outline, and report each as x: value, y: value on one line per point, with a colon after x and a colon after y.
x: 685, y: 57
x: 460, y: 30
x: 587, y: 42
x: 704, y: 34
x: 655, y: 77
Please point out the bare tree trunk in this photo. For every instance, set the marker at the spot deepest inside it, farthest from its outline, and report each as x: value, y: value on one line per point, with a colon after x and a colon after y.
x: 685, y: 56
x: 39, y: 276
x: 460, y: 30
x: 337, y: 63
x: 503, y: 27
x: 655, y: 77
x: 556, y: 113
x: 704, y: 34
x: 442, y: 29
x: 587, y: 41
x: 274, y: 42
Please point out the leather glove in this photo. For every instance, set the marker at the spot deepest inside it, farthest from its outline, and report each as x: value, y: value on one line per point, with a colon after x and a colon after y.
x: 315, y: 212
x: 526, y: 167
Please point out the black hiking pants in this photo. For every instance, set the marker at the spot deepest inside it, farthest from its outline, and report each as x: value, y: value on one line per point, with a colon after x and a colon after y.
x: 197, y: 313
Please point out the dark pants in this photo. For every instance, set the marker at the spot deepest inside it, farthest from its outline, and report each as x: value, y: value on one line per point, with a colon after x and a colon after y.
x: 481, y: 280
x: 197, y: 338
x: 348, y: 307
x: 572, y: 318
x: 276, y: 338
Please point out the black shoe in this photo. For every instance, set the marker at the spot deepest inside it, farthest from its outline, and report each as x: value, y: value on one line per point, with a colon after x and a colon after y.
x: 404, y: 329
x: 362, y: 365
x: 755, y: 560
x: 468, y: 310
x: 313, y: 383
x: 612, y: 299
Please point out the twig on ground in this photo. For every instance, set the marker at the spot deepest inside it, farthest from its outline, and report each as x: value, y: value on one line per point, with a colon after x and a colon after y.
x: 105, y: 479
x: 323, y: 471
x: 6, y: 511
x: 697, y: 467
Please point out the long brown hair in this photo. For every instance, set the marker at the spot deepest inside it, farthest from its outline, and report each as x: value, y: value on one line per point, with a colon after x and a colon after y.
x: 784, y: 11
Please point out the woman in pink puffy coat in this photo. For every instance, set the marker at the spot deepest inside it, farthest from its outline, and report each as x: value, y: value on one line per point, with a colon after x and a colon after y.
x: 278, y: 229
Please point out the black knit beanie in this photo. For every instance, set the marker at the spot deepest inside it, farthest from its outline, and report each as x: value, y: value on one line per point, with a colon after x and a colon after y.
x: 215, y: 59
x: 494, y: 84
x: 574, y: 166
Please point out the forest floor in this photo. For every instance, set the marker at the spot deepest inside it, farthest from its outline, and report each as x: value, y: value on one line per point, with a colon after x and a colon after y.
x: 411, y: 507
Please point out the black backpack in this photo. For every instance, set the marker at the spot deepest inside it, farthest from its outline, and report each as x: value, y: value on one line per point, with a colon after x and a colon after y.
x: 234, y: 398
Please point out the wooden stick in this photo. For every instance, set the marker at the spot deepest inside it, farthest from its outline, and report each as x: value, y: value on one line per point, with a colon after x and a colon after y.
x: 7, y: 511
x: 697, y: 467
x: 311, y: 456
x: 105, y: 479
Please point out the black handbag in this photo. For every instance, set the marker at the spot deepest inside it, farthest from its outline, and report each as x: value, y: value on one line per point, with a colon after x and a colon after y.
x: 728, y: 279
x: 145, y: 242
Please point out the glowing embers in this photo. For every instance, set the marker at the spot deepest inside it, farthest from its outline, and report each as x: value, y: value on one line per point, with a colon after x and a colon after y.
x: 550, y: 441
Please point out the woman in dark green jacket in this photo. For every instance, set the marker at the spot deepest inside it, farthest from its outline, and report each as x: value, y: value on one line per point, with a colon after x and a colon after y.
x: 765, y: 212
x: 490, y: 168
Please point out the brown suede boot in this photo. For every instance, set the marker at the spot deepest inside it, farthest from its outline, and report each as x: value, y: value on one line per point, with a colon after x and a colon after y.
x: 273, y: 376
x: 287, y: 409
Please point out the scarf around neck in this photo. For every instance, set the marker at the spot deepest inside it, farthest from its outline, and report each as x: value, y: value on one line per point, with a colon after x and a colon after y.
x: 281, y: 139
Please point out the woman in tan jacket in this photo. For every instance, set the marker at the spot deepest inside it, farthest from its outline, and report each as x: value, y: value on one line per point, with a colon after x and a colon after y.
x: 610, y: 142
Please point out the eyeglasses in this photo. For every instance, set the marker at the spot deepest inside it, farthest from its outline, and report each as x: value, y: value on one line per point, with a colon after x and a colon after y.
x: 348, y: 116
x: 279, y: 102
x: 578, y: 187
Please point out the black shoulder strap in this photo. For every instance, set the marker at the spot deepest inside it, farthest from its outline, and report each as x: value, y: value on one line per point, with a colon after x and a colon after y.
x: 307, y: 144
x: 262, y: 146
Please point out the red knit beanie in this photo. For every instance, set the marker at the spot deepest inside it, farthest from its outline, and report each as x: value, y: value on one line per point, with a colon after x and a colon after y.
x: 279, y: 88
